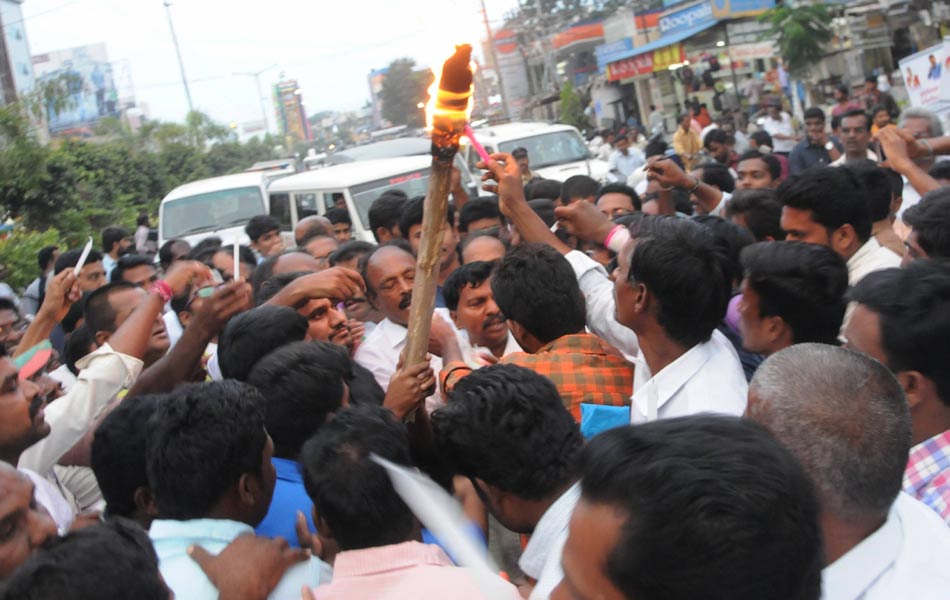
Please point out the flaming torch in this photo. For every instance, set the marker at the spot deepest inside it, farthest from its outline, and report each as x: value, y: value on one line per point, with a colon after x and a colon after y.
x: 450, y: 103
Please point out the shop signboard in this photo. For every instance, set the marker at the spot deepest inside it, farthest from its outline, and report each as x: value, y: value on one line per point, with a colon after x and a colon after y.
x: 663, y: 58
x: 749, y: 52
x: 925, y: 77
x: 730, y: 9
x: 630, y: 67
x: 693, y: 16
x: 608, y: 53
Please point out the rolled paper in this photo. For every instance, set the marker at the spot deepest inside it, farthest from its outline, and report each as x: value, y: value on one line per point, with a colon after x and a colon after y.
x: 83, y: 257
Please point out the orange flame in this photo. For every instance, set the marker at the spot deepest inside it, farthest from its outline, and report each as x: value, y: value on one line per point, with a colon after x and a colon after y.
x: 448, y: 110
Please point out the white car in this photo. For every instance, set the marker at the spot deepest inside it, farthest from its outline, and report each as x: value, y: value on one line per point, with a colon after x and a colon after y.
x: 358, y: 184
x: 554, y: 151
x: 220, y: 206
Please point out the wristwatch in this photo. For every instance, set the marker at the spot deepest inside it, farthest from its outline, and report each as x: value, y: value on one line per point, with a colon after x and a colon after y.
x: 830, y: 146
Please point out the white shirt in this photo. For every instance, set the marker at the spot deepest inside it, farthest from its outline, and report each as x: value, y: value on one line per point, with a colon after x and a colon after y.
x: 905, y: 558
x: 598, y: 292
x: 173, y: 327
x: 625, y: 164
x: 473, y: 354
x: 379, y: 354
x: 541, y: 559
x: 909, y: 197
x: 103, y: 374
x: 843, y: 159
x: 782, y: 125
x: 61, y: 508
x: 870, y: 257
x: 707, y: 378
x: 108, y: 263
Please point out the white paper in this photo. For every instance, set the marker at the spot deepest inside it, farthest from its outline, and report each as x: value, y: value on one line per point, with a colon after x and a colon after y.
x: 441, y: 514
x: 83, y: 257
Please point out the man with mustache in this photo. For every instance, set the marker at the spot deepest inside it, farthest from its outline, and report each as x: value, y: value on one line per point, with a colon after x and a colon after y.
x: 472, y: 306
x: 389, y: 272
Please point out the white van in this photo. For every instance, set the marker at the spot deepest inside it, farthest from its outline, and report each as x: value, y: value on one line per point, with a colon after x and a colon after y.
x: 220, y: 206
x: 358, y: 183
x: 555, y: 151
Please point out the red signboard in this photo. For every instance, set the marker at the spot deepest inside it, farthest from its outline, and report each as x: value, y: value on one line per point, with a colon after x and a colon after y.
x: 630, y: 67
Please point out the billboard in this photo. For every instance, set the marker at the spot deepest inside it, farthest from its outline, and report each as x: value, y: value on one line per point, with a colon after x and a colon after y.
x: 90, y: 87
x: 927, y: 78
x: 290, y: 111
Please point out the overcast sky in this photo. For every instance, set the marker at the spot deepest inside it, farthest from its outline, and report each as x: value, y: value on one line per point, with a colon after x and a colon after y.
x: 329, y: 46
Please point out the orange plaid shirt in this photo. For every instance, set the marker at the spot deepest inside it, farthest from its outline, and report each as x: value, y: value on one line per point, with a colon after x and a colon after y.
x: 583, y: 367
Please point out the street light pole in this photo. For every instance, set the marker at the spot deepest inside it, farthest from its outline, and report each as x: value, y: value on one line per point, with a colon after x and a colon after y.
x: 494, y: 60
x: 260, y: 93
x: 181, y: 64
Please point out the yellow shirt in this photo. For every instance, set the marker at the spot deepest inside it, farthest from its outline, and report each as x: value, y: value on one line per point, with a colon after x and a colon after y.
x: 686, y: 144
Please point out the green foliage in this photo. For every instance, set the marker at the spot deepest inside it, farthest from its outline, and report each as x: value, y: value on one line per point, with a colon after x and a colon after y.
x: 18, y: 254
x: 572, y: 107
x: 403, y: 90
x: 801, y: 32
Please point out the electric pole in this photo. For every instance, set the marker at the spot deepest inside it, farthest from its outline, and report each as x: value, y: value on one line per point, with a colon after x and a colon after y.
x: 181, y: 64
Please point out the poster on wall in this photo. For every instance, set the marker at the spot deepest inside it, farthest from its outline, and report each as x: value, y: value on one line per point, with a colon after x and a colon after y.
x: 926, y: 76
x: 90, y: 86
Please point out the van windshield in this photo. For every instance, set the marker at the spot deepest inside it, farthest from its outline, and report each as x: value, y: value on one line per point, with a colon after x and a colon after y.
x: 549, y: 149
x: 211, y: 211
x: 413, y: 183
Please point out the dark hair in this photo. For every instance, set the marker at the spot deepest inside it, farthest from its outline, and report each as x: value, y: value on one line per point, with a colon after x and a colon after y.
x: 519, y: 152
x: 544, y: 208
x: 477, y: 209
x: 204, y: 249
x: 301, y: 385
x: 535, y: 286
x: 412, y: 212
x: 98, y: 311
x: 857, y: 112
x: 731, y: 238
x: 165, y: 253
x: 348, y: 251
x: 45, y: 255
x: 815, y: 113
x: 129, y: 261
x: 682, y: 483
x: 655, y: 148
x: 940, y: 170
x: 142, y: 220
x: 930, y: 219
x: 543, y: 189
x: 200, y: 441
x: 350, y: 492
x: 114, y: 559
x: 835, y: 122
x: 871, y: 79
x: 877, y: 187
x: 913, y: 306
x: 275, y: 284
x: 251, y: 335
x: 718, y: 175
x: 495, y: 426
x: 112, y: 236
x: 8, y: 304
x: 472, y: 274
x: 762, y: 138
x: 578, y: 186
x: 259, y: 225
x: 715, y: 135
x: 843, y: 89
x: 338, y: 215
x: 245, y: 255
x: 897, y: 183
x: 68, y: 260
x: 835, y: 197
x: 762, y: 212
x: 771, y: 163
x: 364, y: 261
x: 878, y: 108
x: 385, y: 211
x: 118, y: 453
x: 687, y: 271
x: 621, y: 188
x: 805, y: 284
x: 76, y: 346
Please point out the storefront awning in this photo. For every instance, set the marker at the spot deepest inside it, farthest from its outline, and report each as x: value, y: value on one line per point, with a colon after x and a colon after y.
x: 668, y: 40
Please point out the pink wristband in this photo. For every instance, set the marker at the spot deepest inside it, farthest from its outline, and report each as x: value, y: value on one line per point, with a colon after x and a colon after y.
x: 611, y: 235
x: 163, y: 290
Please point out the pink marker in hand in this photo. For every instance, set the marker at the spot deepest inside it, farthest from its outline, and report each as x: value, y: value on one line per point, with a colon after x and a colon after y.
x: 482, y: 153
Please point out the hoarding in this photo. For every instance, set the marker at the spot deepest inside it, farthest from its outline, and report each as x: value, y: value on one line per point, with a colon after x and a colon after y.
x: 290, y: 111
x: 90, y: 87
x: 927, y: 78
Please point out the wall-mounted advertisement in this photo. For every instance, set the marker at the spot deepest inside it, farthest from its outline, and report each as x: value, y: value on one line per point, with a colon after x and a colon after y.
x: 90, y: 87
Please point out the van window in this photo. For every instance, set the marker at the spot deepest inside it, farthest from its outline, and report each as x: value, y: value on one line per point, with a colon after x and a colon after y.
x: 413, y: 183
x: 280, y: 210
x: 550, y: 149
x: 306, y: 205
x: 207, y: 212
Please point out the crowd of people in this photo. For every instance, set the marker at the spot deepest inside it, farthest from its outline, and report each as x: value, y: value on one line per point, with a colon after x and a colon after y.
x: 724, y: 378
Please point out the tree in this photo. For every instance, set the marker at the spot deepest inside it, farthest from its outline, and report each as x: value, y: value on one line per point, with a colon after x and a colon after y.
x: 800, y: 32
x: 403, y: 90
x: 572, y: 107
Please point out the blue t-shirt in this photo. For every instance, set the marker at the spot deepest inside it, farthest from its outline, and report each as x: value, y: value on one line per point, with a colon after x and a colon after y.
x: 289, y: 497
